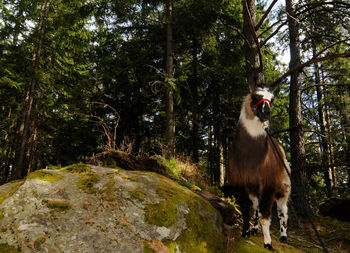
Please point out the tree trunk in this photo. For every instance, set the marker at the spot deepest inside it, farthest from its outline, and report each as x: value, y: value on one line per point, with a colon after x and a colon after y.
x: 254, y: 69
x: 297, y: 143
x: 330, y: 139
x: 24, y: 130
x: 321, y: 118
x: 195, y: 102
x: 169, y: 97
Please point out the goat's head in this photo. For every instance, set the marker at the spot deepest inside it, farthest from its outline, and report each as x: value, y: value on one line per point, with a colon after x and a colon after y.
x: 261, y: 101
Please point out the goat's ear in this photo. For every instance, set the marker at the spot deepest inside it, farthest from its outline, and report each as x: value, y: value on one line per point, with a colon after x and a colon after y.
x: 253, y: 85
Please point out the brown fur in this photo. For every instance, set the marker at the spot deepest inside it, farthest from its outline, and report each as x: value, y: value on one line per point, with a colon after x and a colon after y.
x: 253, y: 162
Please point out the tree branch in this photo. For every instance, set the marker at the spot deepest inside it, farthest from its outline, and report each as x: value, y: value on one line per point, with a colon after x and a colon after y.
x: 308, y: 63
x: 265, y: 15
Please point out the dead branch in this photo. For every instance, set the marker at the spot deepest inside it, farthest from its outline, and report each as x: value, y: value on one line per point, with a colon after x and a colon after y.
x: 265, y: 15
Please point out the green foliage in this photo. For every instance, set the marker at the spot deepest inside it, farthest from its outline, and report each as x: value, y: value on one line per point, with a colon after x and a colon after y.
x: 172, y: 165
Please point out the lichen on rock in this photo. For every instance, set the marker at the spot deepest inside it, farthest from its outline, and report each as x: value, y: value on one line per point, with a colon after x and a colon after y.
x: 58, y: 216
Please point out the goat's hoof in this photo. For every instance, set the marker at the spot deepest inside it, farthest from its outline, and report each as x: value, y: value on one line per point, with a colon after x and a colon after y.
x: 246, y: 234
x: 268, y: 246
x: 283, y: 239
x: 254, y: 231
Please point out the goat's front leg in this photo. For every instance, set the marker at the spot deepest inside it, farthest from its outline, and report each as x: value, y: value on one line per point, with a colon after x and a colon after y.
x: 246, y: 217
x: 255, y: 202
x: 265, y: 207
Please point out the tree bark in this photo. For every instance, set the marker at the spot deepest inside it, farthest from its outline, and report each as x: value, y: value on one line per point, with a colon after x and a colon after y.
x: 330, y: 140
x: 195, y: 102
x: 169, y: 74
x: 323, y: 140
x: 297, y: 143
x: 254, y: 69
x: 24, y: 130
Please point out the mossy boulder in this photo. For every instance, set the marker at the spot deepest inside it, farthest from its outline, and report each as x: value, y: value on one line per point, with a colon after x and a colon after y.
x: 129, y: 211
x: 116, y: 159
x: 119, y: 159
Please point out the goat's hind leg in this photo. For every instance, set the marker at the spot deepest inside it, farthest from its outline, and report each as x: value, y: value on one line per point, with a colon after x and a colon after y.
x: 282, y: 211
x: 282, y: 208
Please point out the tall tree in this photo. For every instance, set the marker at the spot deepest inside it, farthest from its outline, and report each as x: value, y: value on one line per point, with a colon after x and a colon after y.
x: 27, y: 123
x: 169, y: 80
x: 297, y: 144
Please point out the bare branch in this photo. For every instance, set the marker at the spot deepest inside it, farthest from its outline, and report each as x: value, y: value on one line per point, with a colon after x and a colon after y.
x: 308, y: 63
x: 265, y: 15
x: 272, y: 34
x: 329, y: 46
x: 323, y: 84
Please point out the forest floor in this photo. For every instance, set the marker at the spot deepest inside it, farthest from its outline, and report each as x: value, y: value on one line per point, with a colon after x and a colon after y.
x: 336, y: 236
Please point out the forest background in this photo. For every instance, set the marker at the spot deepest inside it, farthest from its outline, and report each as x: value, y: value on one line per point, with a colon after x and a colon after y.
x: 168, y: 78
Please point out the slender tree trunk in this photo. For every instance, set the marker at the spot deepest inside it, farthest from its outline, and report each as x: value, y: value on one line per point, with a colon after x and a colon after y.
x: 169, y: 97
x: 295, y: 117
x: 330, y: 139
x: 195, y: 102
x: 24, y: 130
x: 346, y: 131
x: 321, y: 118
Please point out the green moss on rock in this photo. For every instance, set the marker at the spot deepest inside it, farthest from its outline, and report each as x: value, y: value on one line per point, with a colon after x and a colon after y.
x: 45, y: 176
x: 138, y: 194
x: 5, y: 248
x: 39, y: 241
x: 201, y: 234
x: 14, y: 188
x: 77, y: 168
x: 88, y: 178
x: 116, y: 159
x: 109, y: 190
x: 58, y: 204
x: 162, y: 214
x: 87, y: 182
x: 147, y: 248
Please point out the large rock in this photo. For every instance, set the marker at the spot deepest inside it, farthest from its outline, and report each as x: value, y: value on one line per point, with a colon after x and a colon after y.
x: 95, y: 209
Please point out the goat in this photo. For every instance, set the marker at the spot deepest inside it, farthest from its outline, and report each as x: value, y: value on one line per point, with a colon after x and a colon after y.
x: 255, y: 173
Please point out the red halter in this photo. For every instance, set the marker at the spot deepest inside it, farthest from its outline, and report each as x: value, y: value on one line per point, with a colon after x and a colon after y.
x: 261, y: 101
